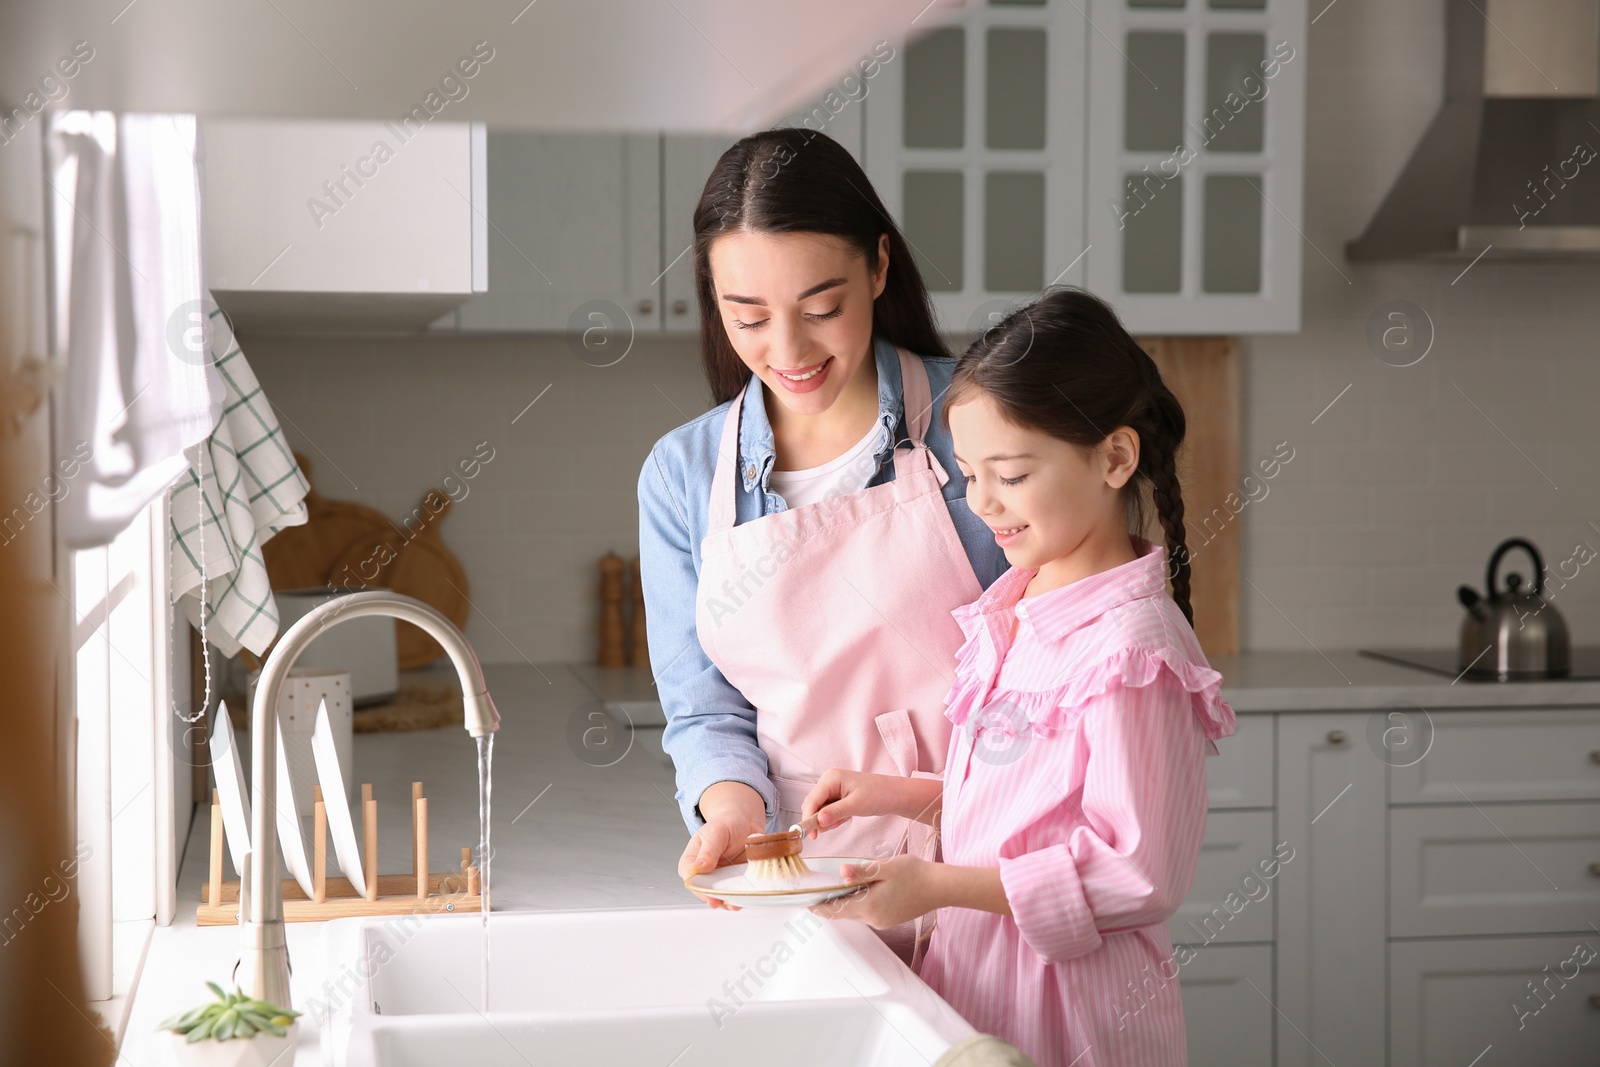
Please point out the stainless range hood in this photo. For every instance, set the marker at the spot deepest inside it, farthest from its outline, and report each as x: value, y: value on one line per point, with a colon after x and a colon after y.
x: 1512, y: 162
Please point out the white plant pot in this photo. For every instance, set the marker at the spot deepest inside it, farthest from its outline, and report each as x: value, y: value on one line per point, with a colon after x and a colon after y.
x: 262, y: 1050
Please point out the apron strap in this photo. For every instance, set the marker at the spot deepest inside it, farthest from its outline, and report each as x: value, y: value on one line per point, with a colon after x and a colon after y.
x: 721, y: 515
x: 918, y: 414
x: 918, y: 399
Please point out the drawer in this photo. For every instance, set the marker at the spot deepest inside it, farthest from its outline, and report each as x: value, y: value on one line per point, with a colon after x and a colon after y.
x: 1236, y: 843
x: 1449, y: 1001
x: 1228, y: 1023
x: 1240, y: 775
x: 1484, y: 756
x: 1493, y: 869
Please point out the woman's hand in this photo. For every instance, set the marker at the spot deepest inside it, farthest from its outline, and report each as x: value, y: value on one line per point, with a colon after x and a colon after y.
x: 840, y: 795
x: 898, y: 890
x: 733, y: 811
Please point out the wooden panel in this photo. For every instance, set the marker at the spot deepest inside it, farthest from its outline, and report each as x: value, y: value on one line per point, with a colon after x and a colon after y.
x: 41, y: 1017
x: 1203, y: 373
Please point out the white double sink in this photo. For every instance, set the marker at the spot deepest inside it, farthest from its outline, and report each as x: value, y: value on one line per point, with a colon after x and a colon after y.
x: 667, y: 987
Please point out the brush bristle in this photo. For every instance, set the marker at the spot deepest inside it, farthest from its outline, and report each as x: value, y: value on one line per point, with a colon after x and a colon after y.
x: 780, y: 869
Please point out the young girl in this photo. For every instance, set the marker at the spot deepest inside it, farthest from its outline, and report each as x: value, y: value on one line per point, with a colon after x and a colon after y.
x: 1073, y: 801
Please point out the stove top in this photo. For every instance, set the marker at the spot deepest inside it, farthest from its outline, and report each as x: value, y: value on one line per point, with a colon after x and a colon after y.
x: 1584, y: 663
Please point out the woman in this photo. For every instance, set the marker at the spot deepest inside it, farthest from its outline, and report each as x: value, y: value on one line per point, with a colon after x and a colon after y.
x: 799, y: 568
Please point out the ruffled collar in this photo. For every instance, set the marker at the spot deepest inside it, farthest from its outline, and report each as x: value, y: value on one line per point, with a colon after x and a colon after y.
x: 1054, y: 615
x: 1058, y: 612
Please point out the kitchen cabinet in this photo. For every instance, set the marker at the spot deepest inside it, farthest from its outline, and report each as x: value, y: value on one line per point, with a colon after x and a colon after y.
x: 1195, y: 162
x: 975, y: 141
x: 1330, y: 944
x: 1226, y: 1013
x: 1149, y: 149
x: 342, y: 224
x: 574, y: 241
x: 1428, y: 895
x: 1493, y: 756
x: 686, y: 162
x: 1453, y: 1000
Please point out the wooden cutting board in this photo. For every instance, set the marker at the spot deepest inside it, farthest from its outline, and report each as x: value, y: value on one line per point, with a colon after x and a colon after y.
x: 302, y: 557
x: 1203, y: 373
x: 416, y: 563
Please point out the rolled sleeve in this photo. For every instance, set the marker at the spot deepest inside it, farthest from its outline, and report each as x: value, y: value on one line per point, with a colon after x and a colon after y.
x: 1132, y: 858
x: 711, y: 728
x: 1048, y: 905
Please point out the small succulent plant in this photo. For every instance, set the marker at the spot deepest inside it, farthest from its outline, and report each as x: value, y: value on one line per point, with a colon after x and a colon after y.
x: 230, y: 1015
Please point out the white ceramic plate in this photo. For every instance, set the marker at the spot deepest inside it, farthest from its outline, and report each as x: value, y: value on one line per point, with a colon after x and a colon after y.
x: 291, y: 832
x: 335, y: 800
x: 229, y: 770
x: 823, y: 882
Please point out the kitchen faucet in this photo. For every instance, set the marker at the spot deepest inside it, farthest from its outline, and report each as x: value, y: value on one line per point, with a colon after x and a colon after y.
x: 264, y: 953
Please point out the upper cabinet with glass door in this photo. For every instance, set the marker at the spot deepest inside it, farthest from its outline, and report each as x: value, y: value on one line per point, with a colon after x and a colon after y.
x: 975, y: 134
x: 1148, y: 149
x: 1195, y: 156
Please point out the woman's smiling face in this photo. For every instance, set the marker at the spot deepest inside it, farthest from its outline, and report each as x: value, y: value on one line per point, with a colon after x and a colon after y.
x: 798, y: 311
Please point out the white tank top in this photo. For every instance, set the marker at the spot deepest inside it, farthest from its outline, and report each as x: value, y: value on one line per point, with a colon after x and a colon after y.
x: 847, y: 473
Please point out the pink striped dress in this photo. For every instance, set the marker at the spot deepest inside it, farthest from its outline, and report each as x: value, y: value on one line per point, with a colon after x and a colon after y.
x: 1078, y: 769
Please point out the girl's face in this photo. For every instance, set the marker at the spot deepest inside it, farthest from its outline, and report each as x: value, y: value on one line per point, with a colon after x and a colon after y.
x: 798, y: 311
x: 1045, y: 499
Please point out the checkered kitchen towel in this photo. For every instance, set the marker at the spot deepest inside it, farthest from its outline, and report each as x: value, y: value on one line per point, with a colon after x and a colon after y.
x: 242, y: 486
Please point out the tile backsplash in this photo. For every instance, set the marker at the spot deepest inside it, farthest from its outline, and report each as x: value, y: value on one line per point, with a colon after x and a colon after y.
x: 383, y: 421
x: 1403, y: 478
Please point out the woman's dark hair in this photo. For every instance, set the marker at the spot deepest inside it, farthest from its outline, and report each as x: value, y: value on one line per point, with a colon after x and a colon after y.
x: 1065, y: 366
x: 800, y: 181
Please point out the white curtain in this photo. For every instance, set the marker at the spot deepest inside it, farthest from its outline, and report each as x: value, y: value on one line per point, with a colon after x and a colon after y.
x: 129, y: 314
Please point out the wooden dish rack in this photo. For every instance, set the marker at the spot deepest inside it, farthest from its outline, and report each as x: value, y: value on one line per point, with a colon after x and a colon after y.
x: 420, y: 892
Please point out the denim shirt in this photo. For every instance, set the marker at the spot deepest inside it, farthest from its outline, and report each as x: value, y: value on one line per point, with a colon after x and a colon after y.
x: 711, y: 727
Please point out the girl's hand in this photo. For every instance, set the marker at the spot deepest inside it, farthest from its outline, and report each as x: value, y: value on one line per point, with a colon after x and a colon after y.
x: 839, y: 795
x: 899, y: 890
x: 733, y: 811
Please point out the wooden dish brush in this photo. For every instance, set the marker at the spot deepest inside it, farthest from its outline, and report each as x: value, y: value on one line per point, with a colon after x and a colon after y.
x: 774, y: 857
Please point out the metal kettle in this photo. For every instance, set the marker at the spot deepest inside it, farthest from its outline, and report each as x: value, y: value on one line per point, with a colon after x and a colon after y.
x: 1515, y: 634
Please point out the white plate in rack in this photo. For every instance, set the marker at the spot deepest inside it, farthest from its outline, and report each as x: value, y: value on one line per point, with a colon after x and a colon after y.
x: 334, y: 798
x: 823, y: 882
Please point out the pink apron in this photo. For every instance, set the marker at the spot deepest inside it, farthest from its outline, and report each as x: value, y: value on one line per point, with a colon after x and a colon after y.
x: 833, y: 619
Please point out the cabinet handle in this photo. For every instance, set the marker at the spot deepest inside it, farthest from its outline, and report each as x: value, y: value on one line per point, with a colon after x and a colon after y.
x: 1594, y: 1000
x: 1594, y: 869
x: 646, y: 306
x: 1335, y: 737
x: 1594, y: 757
x: 680, y: 307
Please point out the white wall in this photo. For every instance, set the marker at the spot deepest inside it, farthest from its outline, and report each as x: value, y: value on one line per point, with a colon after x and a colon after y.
x: 1400, y: 492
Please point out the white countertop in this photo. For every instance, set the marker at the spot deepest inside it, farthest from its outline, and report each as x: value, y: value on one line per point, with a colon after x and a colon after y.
x: 1341, y: 680
x: 572, y: 835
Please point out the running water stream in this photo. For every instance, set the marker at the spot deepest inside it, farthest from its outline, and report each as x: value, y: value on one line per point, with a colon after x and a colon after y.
x: 485, y: 760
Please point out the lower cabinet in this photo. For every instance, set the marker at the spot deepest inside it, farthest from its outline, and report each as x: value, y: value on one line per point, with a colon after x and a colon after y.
x: 1500, y: 1000
x: 1226, y: 1009
x: 1355, y: 906
x: 1331, y: 924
